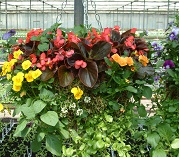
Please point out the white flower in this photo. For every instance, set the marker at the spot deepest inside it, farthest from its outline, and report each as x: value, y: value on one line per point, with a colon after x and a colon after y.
x: 87, y: 99
x: 79, y: 112
x: 72, y: 106
x: 64, y: 110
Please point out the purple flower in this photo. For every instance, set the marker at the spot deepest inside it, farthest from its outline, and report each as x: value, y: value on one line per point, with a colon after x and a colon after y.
x: 174, y: 34
x: 154, y: 44
x: 8, y: 34
x: 168, y: 64
x: 156, y: 78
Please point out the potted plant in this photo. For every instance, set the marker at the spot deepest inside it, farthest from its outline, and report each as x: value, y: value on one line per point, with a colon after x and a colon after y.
x: 78, y: 91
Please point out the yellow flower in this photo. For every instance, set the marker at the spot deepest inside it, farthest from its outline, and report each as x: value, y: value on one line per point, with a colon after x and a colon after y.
x: 29, y: 77
x: 143, y: 59
x: 1, y: 107
x: 12, y: 62
x: 120, y: 60
x: 16, y: 88
x: 36, y: 73
x: 77, y: 92
x: 5, y: 68
x: 129, y: 61
x: 8, y: 76
x: 17, y: 54
x: 26, y: 64
x: 17, y: 79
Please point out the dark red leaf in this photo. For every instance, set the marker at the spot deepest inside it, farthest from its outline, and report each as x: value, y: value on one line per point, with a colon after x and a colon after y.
x: 47, y: 74
x: 100, y: 50
x: 65, y: 76
x: 89, y: 75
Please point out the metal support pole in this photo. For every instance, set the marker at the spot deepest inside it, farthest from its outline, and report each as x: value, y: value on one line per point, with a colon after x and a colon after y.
x: 17, y: 20
x: 6, y: 15
x: 168, y: 11
x: 78, y: 12
x: 117, y: 17
x: 30, y: 20
x: 43, y: 14
x: 131, y: 16
x: 0, y: 11
x: 123, y: 18
x: 144, y: 16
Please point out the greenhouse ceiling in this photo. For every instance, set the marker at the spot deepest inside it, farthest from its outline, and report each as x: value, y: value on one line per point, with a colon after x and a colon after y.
x: 108, y: 6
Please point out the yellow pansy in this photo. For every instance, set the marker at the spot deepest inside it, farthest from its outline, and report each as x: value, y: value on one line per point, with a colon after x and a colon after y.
x: 5, y: 68
x: 36, y: 73
x: 1, y: 107
x: 26, y: 64
x: 77, y: 92
x: 29, y: 77
x: 143, y: 59
x: 17, y: 54
x: 16, y: 88
x: 12, y: 62
x: 17, y: 79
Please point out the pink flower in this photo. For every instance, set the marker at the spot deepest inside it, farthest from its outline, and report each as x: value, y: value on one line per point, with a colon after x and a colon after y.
x: 80, y: 63
x: 69, y: 53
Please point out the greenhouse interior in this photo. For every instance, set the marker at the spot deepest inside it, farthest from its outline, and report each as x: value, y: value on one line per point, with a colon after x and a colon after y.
x: 89, y: 78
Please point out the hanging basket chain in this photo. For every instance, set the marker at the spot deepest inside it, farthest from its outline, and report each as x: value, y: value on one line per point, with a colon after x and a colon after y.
x: 93, y: 4
x: 85, y: 5
x: 59, y: 16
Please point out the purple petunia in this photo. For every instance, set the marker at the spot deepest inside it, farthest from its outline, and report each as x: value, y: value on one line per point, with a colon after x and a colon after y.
x: 168, y: 64
x: 9, y: 34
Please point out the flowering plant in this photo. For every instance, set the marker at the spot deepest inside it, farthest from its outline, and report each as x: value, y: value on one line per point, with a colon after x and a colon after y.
x: 167, y: 59
x: 76, y: 89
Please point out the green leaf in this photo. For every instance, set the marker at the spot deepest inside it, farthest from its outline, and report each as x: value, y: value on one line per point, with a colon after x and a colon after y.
x: 108, y: 118
x: 175, y: 143
x: 109, y: 63
x: 147, y: 92
x: 153, y: 139
x: 165, y: 131
x: 159, y: 63
x: 38, y: 106
x: 35, y: 145
x: 28, y: 111
x: 43, y: 47
x: 21, y: 126
x: 100, y: 144
x: 170, y: 72
x: 140, y: 82
x: 142, y: 111
x: 158, y: 153
x: 131, y: 89
x: 46, y: 95
x: 40, y: 136
x: 89, y: 75
x: 50, y: 118
x: 54, y: 145
x: 65, y: 133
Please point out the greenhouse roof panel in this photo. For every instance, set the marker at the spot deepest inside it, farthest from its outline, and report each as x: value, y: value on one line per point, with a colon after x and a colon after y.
x: 100, y: 5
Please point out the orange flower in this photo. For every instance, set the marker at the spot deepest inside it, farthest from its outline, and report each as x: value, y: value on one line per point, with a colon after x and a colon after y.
x: 129, y: 61
x: 143, y: 59
x: 120, y: 60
